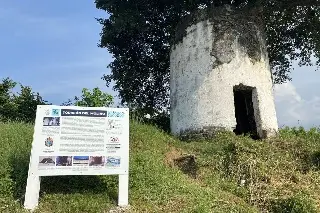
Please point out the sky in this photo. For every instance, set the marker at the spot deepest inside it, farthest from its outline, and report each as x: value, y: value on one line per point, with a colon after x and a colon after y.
x: 52, y: 47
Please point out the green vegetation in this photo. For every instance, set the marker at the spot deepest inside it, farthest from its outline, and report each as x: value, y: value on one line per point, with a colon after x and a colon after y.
x: 140, y: 34
x: 18, y: 106
x: 229, y: 174
x: 96, y: 98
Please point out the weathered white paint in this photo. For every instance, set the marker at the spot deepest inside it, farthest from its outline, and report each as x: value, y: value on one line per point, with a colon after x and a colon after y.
x: 202, y: 96
x: 33, y: 188
x: 123, y: 198
x: 32, y: 192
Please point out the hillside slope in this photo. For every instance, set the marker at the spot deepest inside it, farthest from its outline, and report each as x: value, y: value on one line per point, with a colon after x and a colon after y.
x: 227, y: 174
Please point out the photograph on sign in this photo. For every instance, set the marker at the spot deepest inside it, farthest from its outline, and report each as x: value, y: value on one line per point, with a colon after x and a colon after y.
x: 113, y: 161
x: 97, y: 161
x: 47, y: 161
x: 51, y: 121
x: 80, y: 160
x: 64, y: 161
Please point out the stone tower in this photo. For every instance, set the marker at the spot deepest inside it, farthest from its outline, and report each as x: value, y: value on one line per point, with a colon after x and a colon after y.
x: 220, y: 76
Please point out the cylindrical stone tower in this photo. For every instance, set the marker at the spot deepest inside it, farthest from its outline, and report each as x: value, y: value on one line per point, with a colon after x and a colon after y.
x: 220, y: 76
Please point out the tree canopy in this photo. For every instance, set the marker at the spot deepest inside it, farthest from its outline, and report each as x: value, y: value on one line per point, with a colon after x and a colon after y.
x: 138, y: 33
x: 94, y: 98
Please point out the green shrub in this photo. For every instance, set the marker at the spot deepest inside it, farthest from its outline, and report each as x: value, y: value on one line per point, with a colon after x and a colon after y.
x: 299, y: 203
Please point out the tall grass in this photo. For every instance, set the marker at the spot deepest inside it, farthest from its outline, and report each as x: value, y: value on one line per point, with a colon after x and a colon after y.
x: 233, y: 174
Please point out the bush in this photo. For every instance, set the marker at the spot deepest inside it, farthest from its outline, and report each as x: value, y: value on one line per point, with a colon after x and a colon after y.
x: 20, y: 106
x: 94, y: 98
x: 160, y: 120
x: 299, y: 203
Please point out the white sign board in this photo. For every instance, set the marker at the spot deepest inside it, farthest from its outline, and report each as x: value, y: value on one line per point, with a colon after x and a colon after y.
x: 71, y: 140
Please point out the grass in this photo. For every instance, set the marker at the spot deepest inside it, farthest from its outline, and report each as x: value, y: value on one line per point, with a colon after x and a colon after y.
x: 227, y: 174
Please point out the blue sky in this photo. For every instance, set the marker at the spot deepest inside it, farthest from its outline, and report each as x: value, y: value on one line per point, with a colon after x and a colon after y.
x: 52, y: 47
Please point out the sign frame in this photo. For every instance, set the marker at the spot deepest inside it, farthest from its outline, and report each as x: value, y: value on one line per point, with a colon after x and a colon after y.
x: 34, y: 179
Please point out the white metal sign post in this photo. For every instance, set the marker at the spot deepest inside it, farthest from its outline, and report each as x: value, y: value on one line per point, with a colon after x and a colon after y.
x: 71, y: 140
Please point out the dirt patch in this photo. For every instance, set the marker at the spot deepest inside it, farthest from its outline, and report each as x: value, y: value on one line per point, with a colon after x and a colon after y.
x: 175, y: 204
x: 185, y: 162
x: 173, y: 154
x: 120, y: 210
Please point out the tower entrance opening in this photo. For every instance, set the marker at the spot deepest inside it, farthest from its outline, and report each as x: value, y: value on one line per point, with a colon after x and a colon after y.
x: 244, y: 111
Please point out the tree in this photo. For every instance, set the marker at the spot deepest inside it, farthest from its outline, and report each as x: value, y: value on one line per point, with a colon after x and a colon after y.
x: 139, y: 33
x: 21, y: 106
x: 7, y: 106
x: 96, y: 98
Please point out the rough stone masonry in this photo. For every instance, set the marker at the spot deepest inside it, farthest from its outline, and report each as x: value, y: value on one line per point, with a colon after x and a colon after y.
x: 216, y: 52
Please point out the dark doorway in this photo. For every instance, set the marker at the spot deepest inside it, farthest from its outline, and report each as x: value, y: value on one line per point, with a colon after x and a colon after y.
x: 244, y: 111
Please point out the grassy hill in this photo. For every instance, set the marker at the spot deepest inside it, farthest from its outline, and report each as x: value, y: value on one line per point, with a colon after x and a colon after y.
x: 227, y: 174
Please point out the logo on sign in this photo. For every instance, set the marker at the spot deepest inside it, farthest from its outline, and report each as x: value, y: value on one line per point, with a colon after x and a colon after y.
x: 47, y: 112
x: 114, y: 114
x: 48, y: 142
x: 114, y: 140
x: 55, y: 112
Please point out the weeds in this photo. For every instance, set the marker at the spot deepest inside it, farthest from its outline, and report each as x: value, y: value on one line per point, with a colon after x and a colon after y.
x: 228, y: 174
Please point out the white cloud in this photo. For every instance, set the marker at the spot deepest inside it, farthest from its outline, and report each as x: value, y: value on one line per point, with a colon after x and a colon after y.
x: 293, y: 109
x: 287, y: 91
